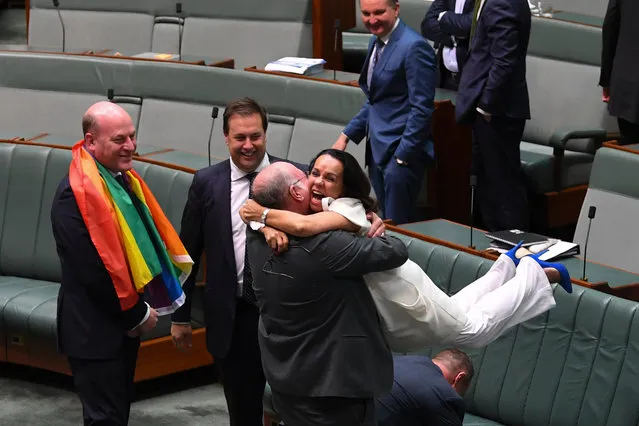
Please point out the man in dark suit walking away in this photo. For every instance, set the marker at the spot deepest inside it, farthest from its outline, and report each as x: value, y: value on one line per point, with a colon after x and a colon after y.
x: 323, y: 349
x: 211, y: 224
x: 620, y: 66
x: 448, y: 24
x: 427, y: 392
x: 493, y: 97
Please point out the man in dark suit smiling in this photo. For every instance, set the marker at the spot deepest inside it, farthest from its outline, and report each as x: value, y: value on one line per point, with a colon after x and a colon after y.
x: 211, y: 224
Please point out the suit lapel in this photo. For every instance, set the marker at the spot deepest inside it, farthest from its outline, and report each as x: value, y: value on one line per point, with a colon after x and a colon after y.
x: 385, y: 56
x: 223, y: 195
x: 364, y: 73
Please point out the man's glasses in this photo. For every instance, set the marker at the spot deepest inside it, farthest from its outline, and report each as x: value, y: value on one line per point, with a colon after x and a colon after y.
x: 298, y: 181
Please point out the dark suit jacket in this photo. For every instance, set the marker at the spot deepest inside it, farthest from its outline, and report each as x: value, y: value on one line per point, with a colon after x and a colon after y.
x: 319, y: 332
x: 620, y: 58
x: 399, y: 104
x: 420, y: 396
x: 494, y: 76
x: 206, y: 228
x: 451, y: 28
x: 90, y: 322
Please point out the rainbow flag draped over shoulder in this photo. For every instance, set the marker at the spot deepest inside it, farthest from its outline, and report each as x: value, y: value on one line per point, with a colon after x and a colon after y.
x: 139, y: 248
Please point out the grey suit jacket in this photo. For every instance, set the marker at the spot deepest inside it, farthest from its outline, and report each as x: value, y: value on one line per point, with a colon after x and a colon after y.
x: 319, y: 331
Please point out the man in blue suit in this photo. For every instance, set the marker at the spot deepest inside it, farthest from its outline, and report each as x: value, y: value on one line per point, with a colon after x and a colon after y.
x: 399, y: 81
x: 493, y: 97
x: 426, y: 392
x: 211, y: 224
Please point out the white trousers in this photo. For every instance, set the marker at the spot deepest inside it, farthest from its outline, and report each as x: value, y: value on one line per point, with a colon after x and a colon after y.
x: 416, y: 314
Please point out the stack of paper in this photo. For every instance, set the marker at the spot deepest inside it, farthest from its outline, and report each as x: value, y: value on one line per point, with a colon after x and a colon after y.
x: 302, y: 66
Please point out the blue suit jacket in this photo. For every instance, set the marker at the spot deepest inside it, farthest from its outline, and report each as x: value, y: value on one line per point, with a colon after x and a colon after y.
x: 494, y: 76
x: 206, y: 227
x: 398, y: 111
x: 420, y: 396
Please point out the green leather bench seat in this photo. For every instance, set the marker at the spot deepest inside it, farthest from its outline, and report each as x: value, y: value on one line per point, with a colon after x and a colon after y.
x: 29, y: 264
x: 262, y: 33
x: 460, y: 234
x: 575, y: 365
x: 538, y: 164
x: 614, y: 191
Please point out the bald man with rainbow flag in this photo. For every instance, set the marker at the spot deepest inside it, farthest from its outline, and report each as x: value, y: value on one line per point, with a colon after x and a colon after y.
x: 114, y: 242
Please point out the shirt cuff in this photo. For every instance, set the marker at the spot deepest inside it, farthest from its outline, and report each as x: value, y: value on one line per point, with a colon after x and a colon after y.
x: 146, y: 316
x: 180, y: 323
x: 256, y: 226
x: 439, y: 18
x: 484, y: 113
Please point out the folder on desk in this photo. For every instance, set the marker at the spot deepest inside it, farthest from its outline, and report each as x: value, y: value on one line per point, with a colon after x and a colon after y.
x: 512, y: 237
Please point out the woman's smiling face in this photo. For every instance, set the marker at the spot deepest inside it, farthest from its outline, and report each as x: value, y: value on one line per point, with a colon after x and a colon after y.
x: 326, y: 179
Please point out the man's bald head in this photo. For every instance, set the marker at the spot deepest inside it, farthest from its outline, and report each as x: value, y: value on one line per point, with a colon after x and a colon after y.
x: 282, y: 186
x: 99, y: 111
x: 109, y: 135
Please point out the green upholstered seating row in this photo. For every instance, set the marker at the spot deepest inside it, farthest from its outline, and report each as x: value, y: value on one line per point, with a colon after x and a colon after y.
x: 260, y: 31
x: 170, y: 104
x: 29, y: 265
x: 614, y: 191
x: 575, y: 365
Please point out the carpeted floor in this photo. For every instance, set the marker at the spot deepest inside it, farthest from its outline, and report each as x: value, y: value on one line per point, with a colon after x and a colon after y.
x: 35, y: 397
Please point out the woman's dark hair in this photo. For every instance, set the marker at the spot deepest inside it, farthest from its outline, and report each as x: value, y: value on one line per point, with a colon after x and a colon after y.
x: 356, y: 183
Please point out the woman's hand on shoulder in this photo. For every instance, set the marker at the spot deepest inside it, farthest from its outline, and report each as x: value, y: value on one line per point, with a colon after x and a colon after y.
x: 276, y: 240
x: 251, y: 211
x: 377, y: 225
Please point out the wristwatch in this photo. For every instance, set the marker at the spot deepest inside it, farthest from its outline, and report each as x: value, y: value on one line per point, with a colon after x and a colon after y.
x: 263, y: 217
x: 401, y: 162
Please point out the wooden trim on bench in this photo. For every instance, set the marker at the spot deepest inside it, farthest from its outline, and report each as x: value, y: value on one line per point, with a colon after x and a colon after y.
x: 563, y: 207
x: 352, y: 83
x: 156, y: 357
x: 69, y: 148
x: 159, y: 357
x: 614, y: 145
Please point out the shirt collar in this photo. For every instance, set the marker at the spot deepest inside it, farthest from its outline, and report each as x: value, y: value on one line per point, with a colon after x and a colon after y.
x: 390, y: 33
x: 237, y: 174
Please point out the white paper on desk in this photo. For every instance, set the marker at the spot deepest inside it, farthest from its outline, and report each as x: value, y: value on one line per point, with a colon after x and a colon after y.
x: 296, y: 65
x: 558, y: 249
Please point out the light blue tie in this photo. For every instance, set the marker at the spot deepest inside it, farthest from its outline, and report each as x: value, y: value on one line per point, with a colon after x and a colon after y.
x: 377, y: 51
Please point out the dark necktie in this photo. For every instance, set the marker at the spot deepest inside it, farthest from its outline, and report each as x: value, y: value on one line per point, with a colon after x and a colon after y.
x: 248, y: 293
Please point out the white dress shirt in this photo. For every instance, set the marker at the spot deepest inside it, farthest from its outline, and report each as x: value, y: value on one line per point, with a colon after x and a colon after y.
x: 239, y: 195
x: 449, y: 54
